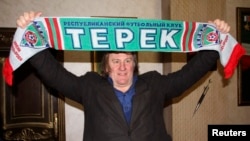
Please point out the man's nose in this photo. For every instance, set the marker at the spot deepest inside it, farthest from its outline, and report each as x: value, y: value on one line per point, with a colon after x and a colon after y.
x: 122, y: 66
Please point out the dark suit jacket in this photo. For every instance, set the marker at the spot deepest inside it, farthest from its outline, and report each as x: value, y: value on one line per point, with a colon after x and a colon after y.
x: 104, y: 118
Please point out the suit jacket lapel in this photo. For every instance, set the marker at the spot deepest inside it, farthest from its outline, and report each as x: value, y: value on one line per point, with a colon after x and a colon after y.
x: 139, y: 97
x: 115, y: 104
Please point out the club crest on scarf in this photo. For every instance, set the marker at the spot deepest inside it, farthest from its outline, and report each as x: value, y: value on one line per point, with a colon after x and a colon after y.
x: 30, y: 37
x: 35, y: 36
x: 207, y: 35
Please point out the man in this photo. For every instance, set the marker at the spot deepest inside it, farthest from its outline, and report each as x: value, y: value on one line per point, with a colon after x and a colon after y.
x: 120, y: 104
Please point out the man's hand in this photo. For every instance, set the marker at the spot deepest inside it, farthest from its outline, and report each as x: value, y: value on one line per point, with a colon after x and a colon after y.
x: 26, y: 18
x: 221, y: 25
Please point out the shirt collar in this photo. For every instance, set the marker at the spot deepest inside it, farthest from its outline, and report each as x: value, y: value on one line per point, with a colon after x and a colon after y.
x: 135, y: 77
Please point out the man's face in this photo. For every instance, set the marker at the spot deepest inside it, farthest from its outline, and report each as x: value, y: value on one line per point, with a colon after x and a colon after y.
x: 121, y: 69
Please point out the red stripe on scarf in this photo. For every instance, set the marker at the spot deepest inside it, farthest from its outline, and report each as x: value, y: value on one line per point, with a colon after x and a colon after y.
x: 191, y: 36
x: 50, y: 33
x: 237, y: 53
x: 8, y: 72
x: 59, y: 39
x: 185, y: 36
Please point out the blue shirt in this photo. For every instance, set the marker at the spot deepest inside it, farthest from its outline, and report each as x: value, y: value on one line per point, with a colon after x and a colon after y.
x: 126, y: 99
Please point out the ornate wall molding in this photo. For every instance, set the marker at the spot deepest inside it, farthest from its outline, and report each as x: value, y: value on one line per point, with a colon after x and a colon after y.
x: 27, y: 134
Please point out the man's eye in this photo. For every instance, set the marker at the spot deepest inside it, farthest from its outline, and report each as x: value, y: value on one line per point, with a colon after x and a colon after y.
x: 128, y: 60
x: 115, y: 61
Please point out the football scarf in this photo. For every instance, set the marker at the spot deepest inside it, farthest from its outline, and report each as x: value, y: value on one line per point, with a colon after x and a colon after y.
x: 119, y: 34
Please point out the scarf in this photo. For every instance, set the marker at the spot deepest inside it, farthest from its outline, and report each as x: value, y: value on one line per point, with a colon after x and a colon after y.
x: 119, y: 34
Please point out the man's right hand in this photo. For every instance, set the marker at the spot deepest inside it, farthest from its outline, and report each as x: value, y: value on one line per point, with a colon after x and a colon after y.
x: 26, y: 18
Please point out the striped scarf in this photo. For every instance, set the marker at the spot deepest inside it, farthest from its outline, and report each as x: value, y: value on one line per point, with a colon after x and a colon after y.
x: 119, y: 34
